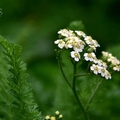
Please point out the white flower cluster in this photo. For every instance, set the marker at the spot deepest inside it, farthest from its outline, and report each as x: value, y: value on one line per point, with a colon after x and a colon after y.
x: 98, y: 66
x: 114, y: 63
x: 77, y: 42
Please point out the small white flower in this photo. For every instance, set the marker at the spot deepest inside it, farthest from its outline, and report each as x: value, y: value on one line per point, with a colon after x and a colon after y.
x: 116, y: 68
x: 93, y: 47
x: 47, y: 117
x: 103, y: 71
x: 108, y: 75
x: 74, y: 42
x: 66, y: 33
x: 91, y: 43
x: 95, y: 68
x: 102, y: 63
x: 79, y: 46
x: 68, y: 44
x: 90, y: 56
x: 70, y: 41
x: 95, y: 43
x: 75, y: 55
x: 60, y: 116
x: 80, y: 33
x: 57, y: 112
x: 52, y: 118
x: 88, y: 40
x: 60, y: 43
x: 105, y: 54
x: 95, y: 60
x: 113, y: 60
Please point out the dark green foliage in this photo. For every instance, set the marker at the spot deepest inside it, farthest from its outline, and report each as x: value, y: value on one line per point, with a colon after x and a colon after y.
x: 5, y: 98
x: 22, y: 103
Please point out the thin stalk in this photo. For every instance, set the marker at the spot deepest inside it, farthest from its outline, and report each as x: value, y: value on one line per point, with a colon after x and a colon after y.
x: 73, y: 87
x: 93, y: 94
x: 85, y: 114
x: 83, y: 74
x: 60, y: 65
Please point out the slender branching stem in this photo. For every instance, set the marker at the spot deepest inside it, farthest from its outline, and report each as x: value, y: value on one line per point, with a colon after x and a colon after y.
x: 93, y: 94
x: 60, y: 65
x: 73, y: 86
x: 83, y: 74
x: 85, y: 114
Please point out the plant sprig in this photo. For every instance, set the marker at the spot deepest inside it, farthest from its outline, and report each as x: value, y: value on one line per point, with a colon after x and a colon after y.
x: 23, y: 106
x: 83, y: 48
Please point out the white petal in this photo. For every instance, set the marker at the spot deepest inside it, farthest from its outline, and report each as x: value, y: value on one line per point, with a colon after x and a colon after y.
x: 72, y: 54
x: 56, y: 42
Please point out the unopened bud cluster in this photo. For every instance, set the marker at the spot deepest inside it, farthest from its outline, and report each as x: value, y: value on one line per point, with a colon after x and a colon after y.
x: 83, y: 46
x: 57, y: 116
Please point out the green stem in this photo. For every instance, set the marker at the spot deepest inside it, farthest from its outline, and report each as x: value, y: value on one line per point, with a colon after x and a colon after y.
x: 73, y: 87
x: 93, y: 94
x: 60, y: 65
x: 83, y: 74
x: 85, y: 114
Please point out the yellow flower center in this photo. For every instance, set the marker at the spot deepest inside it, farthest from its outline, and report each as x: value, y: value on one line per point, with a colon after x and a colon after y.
x: 103, y: 71
x: 89, y: 55
x: 96, y: 68
x: 76, y: 55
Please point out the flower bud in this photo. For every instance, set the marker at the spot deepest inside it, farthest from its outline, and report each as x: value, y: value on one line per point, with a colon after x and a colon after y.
x: 60, y: 117
x: 89, y: 50
x: 47, y: 117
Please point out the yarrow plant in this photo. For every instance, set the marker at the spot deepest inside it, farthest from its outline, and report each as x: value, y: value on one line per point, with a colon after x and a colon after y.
x: 81, y: 48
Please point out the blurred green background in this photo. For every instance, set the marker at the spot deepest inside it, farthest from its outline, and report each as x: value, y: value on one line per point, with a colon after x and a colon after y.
x: 34, y: 25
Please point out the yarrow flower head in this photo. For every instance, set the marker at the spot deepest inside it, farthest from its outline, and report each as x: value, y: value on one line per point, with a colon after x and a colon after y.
x: 83, y: 47
x: 113, y: 61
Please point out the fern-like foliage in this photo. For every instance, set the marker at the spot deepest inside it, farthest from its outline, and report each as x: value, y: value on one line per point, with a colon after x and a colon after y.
x: 5, y: 97
x: 22, y: 104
